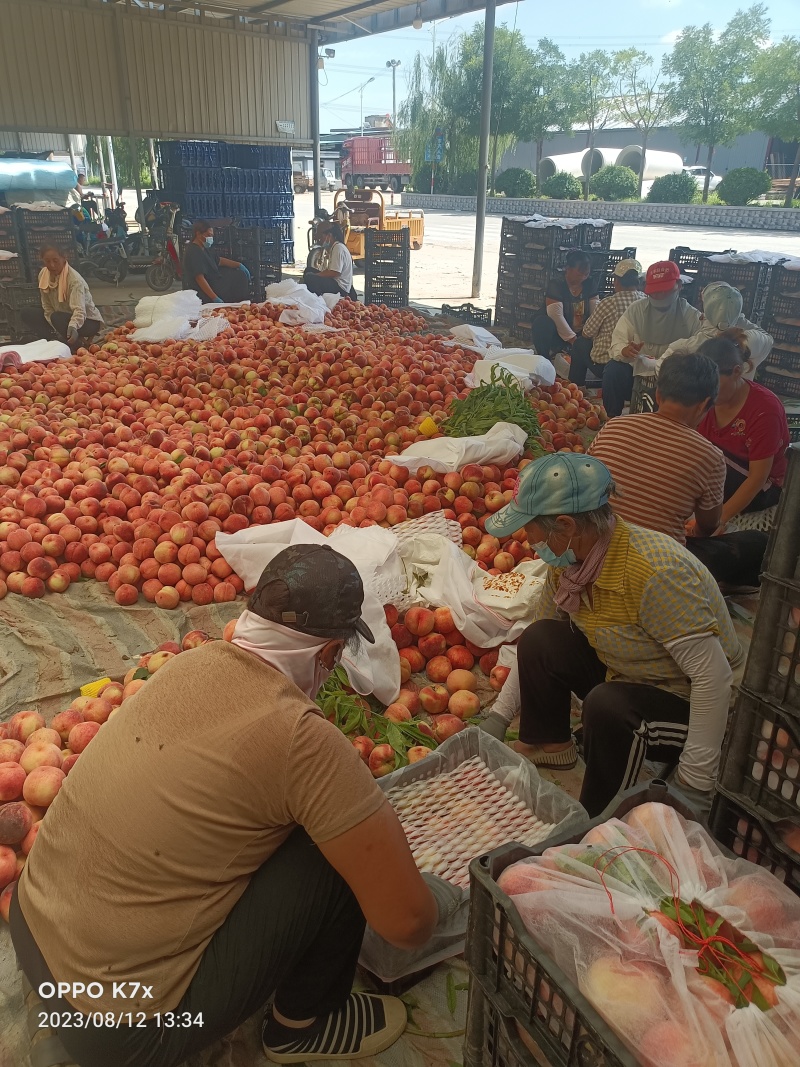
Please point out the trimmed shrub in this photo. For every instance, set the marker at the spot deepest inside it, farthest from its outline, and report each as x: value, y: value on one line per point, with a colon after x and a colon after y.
x: 677, y: 188
x: 562, y: 186
x: 743, y: 184
x: 516, y: 181
x: 615, y: 183
x: 465, y: 184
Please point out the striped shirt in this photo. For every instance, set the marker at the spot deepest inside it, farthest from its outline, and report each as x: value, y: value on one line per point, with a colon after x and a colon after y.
x: 651, y: 591
x: 600, y: 324
x: 663, y: 470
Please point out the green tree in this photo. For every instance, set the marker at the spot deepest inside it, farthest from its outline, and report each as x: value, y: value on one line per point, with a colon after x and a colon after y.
x: 549, y: 102
x: 713, y: 79
x: 592, y: 79
x: 641, y: 96
x: 777, y: 103
x: 616, y: 183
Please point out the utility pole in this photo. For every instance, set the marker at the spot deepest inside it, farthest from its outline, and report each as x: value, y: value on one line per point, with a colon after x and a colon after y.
x: 151, y: 151
x: 361, y: 89
x: 483, y: 149
x: 394, y: 64
x: 112, y: 166
x: 103, y: 176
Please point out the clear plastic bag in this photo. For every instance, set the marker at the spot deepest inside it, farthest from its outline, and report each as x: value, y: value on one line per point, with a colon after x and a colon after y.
x: 605, y: 912
x: 549, y: 803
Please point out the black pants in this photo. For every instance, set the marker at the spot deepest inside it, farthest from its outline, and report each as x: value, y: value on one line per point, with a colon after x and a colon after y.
x: 296, y: 931
x: 617, y: 386
x: 581, y: 361
x: 38, y: 328
x: 545, y: 337
x: 232, y: 285
x: 623, y: 722
x: 316, y: 283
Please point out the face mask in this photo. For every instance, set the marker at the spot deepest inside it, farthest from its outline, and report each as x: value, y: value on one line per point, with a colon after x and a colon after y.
x: 665, y: 302
x: 209, y: 242
x: 545, y: 553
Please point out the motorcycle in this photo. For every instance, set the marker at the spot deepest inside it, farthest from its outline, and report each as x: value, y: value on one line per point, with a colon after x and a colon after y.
x: 167, y: 267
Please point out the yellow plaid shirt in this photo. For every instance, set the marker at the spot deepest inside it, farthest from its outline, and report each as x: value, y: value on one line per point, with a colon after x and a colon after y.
x: 651, y: 591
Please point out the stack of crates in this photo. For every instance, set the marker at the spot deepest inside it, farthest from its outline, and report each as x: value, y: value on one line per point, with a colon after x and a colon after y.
x: 387, y: 267
x: 758, y: 792
x: 14, y: 296
x: 11, y: 270
x: 530, y: 256
x: 40, y: 228
x: 604, y: 263
x: 781, y: 370
x: 215, y: 179
x: 751, y: 279
x: 258, y: 248
x: 688, y: 260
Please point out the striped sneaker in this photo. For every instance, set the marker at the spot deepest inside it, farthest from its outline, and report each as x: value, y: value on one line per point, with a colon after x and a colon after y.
x: 564, y: 760
x: 365, y: 1026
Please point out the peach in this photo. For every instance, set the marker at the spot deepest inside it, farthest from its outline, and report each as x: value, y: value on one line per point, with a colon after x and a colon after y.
x: 410, y: 698
x: 460, y: 658
x: 41, y: 755
x: 488, y: 661
x: 390, y: 611
x: 112, y: 692
x: 405, y: 670
x: 433, y: 699
x: 445, y: 726
x: 72, y: 758
x: 8, y: 866
x: 64, y: 721
x: 24, y: 723
x: 629, y: 993
x: 80, y: 736
x: 194, y: 639
x: 398, y: 712
x: 419, y: 621
x: 401, y: 635
x: 15, y: 822
x: 461, y: 679
x: 42, y: 784
x: 158, y: 660
x: 27, y: 842
x: 454, y: 638
x: 417, y: 752
x: 504, y: 562
x: 414, y: 658
x: 167, y: 597
x: 125, y: 595
x: 12, y: 779
x: 98, y: 710
x: 381, y: 761
x: 439, y: 668
x: 497, y: 678
x: 59, y: 581
x: 363, y: 746
x: 44, y: 736
x: 132, y: 688
x: 10, y: 750
x: 431, y: 645
x: 443, y: 621
x: 230, y: 626
x: 464, y: 704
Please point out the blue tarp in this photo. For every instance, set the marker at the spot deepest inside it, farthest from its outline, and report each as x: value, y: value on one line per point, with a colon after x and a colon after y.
x: 36, y: 174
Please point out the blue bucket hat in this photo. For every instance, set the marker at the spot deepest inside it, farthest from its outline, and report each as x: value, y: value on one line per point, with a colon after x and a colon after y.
x: 565, y: 483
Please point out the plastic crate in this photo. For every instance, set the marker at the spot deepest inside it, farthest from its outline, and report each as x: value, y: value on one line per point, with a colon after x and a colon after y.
x: 505, y: 317
x: 751, y: 279
x: 688, y: 259
x: 551, y: 238
x: 287, y: 253
x: 36, y: 221
x: 9, y: 231
x: 793, y: 418
x: 761, y: 759
x: 773, y: 663
x: 493, y: 1039
x: 745, y: 834
x: 13, y: 270
x: 781, y: 358
x: 784, y: 383
x: 782, y: 559
x: 469, y: 313
x: 784, y: 293
x: 596, y: 237
x: 14, y: 296
x: 520, y: 978
x: 781, y: 308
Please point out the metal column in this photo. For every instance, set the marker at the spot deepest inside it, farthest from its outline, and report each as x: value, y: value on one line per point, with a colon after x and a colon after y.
x: 112, y: 166
x: 71, y: 149
x: 103, y: 176
x: 313, y: 88
x: 483, y: 151
x: 151, y: 151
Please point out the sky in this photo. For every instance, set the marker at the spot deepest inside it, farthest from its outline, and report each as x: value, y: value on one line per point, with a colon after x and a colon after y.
x: 651, y: 25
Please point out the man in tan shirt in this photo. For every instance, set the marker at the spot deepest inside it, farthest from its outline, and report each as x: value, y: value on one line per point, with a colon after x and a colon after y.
x: 221, y: 841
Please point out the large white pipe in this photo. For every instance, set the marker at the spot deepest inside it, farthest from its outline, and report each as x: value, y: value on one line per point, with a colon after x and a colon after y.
x: 656, y: 164
x: 569, y: 161
x: 597, y: 158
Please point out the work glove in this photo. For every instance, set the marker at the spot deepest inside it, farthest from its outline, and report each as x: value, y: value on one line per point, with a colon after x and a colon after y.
x: 495, y: 725
x: 699, y: 800
x: 244, y: 271
x: 72, y: 336
x: 217, y: 300
x: 448, y: 897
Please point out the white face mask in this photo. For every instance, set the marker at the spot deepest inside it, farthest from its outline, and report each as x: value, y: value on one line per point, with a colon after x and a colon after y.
x: 294, y: 654
x: 665, y: 301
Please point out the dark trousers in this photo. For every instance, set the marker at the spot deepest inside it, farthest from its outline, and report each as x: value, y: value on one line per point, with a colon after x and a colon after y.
x: 581, y: 361
x: 617, y: 386
x: 38, y: 328
x: 623, y: 722
x: 296, y: 931
x: 232, y: 285
x: 545, y: 337
x: 316, y: 283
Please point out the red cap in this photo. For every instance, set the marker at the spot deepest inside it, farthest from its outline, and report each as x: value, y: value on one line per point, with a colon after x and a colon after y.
x: 661, y: 277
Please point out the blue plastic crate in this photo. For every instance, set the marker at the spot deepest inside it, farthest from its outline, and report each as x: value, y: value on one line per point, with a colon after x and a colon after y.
x: 287, y: 252
x: 285, y: 225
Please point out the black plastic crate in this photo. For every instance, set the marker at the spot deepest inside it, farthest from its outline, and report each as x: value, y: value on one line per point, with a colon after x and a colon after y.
x: 551, y: 238
x: 761, y: 760
x: 14, y: 296
x: 38, y: 221
x: 751, y: 279
x: 782, y: 559
x: 287, y: 252
x: 388, y: 239
x: 794, y: 426
x: 520, y: 977
x: 493, y: 1039
x: 688, y: 259
x: 9, y: 231
x: 781, y: 358
x: 468, y: 313
x: 63, y: 240
x: 13, y: 269
x: 505, y: 317
x: 539, y: 258
x: 782, y: 308
x: 596, y: 237
x: 784, y: 333
x: 747, y: 835
x: 784, y: 294
x: 773, y: 663
x: 784, y: 384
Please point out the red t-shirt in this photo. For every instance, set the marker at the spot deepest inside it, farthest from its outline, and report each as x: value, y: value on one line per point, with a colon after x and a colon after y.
x: 759, y: 431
